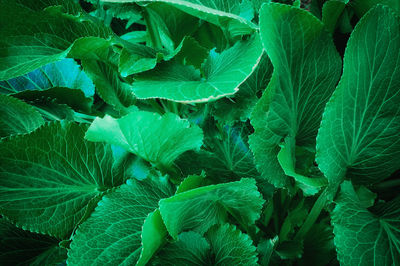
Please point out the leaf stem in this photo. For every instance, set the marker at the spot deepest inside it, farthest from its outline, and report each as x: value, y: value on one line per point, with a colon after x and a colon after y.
x: 387, y: 184
x: 152, y: 30
x: 313, y: 215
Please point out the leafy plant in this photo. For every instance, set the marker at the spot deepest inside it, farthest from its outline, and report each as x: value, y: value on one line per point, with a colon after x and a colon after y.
x: 181, y: 132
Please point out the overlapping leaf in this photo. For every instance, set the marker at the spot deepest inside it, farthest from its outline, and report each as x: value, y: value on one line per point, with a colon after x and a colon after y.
x: 198, y: 209
x: 359, y: 136
x: 112, y: 235
x: 17, y: 117
x: 363, y: 237
x: 222, y: 75
x: 157, y: 139
x: 223, y: 13
x: 48, y: 178
x: 33, y: 39
x: 19, y: 247
x: 306, y: 69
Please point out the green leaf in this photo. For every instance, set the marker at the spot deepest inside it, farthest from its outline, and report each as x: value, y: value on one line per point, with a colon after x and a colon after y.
x: 112, y: 235
x: 362, y: 6
x: 331, y: 12
x: 223, y: 13
x: 17, y: 117
x: 190, y: 249
x: 198, y: 209
x: 68, y: 6
x: 226, y: 159
x: 363, y: 237
x: 191, y: 182
x: 227, y: 246
x: 359, y: 136
x: 19, y: 247
x: 33, y: 39
x: 231, y: 247
x: 48, y: 177
x: 241, y: 105
x: 223, y: 74
x: 306, y: 70
x: 157, y: 139
x: 154, y: 236
x: 109, y: 86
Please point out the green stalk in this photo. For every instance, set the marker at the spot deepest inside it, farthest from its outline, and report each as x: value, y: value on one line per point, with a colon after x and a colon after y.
x: 313, y: 215
x: 152, y: 30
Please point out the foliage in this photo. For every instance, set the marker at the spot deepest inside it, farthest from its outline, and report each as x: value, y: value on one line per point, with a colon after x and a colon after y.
x: 207, y: 132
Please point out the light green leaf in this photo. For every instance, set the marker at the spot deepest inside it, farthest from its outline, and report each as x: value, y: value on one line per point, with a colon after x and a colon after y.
x: 157, y: 139
x: 223, y: 74
x: 359, y: 136
x: 34, y: 39
x: 223, y: 13
x: 198, y: 209
x: 48, y: 177
x: 190, y: 249
x: 306, y: 70
x: 17, y: 117
x: 19, y: 247
x: 191, y: 182
x: 363, y: 237
x: 231, y: 247
x: 112, y: 235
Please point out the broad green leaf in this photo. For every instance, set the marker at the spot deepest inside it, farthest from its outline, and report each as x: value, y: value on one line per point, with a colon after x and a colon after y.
x: 362, y: 6
x: 19, y: 247
x: 68, y: 6
x: 231, y: 247
x: 108, y: 84
x: 306, y: 70
x: 190, y: 249
x: 225, y: 159
x: 157, y: 139
x: 48, y: 177
x: 112, y: 235
x: 33, y: 39
x: 363, y: 237
x: 359, y: 136
x: 331, y: 12
x: 241, y: 105
x: 223, y: 13
x: 222, y: 75
x: 17, y: 117
x: 198, y: 209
